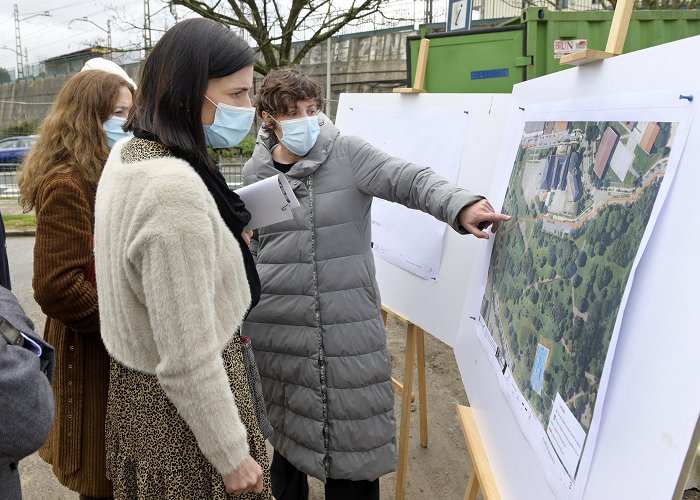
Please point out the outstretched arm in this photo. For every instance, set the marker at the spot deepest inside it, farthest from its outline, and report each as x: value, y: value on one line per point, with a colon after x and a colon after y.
x: 414, y: 186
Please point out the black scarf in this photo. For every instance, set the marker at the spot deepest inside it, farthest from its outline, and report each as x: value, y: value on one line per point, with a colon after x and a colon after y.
x: 231, y: 208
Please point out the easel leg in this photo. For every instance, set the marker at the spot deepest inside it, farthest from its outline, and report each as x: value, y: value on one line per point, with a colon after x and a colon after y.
x: 422, y: 391
x: 398, y: 386
x: 406, y: 411
x: 472, y: 488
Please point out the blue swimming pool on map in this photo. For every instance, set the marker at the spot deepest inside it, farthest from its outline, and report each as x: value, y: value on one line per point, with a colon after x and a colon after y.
x: 537, y: 376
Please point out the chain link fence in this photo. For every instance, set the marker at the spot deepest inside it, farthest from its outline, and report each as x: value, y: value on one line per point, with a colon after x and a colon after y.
x: 17, y: 140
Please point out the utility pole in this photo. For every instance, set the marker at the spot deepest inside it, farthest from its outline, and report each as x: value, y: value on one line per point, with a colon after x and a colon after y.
x: 18, y: 46
x: 109, y: 38
x: 328, y: 75
x: 146, y: 27
x: 108, y: 30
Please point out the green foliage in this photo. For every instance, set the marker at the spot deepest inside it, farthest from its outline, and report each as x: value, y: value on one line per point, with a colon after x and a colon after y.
x: 582, y: 259
x: 19, y: 221
x: 576, y: 280
x: 583, y: 306
x: 244, y: 148
x: 537, y: 323
x: 27, y: 127
x: 247, y: 145
x: 603, y: 278
x: 592, y: 131
x: 5, y: 76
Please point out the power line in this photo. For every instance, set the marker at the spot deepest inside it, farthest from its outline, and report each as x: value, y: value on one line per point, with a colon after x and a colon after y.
x: 27, y: 103
x: 55, y: 26
x: 69, y: 6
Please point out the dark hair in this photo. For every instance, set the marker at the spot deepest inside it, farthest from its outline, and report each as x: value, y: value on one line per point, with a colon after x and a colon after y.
x: 283, y: 87
x: 173, y: 82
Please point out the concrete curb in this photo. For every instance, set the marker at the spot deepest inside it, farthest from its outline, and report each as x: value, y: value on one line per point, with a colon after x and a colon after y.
x: 20, y: 232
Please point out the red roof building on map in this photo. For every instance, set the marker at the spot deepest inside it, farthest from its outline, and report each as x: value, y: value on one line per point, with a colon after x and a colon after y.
x: 649, y: 137
x: 605, y: 150
x: 561, y: 126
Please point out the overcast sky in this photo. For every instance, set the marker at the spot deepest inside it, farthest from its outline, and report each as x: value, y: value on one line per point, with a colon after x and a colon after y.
x: 61, y: 31
x: 57, y: 33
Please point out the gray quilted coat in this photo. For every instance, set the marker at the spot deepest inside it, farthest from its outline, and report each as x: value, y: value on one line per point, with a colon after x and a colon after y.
x: 317, y: 332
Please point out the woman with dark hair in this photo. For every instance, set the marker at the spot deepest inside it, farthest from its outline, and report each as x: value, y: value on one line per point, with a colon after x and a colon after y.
x: 176, y: 279
x: 58, y: 179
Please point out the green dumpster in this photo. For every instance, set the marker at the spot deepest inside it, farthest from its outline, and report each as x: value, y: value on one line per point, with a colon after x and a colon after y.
x: 495, y: 59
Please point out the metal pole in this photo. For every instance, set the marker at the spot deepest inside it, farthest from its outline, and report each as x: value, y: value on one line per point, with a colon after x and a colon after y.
x: 328, y: 75
x: 470, y: 10
x: 18, y: 46
x: 109, y: 38
x: 146, y: 26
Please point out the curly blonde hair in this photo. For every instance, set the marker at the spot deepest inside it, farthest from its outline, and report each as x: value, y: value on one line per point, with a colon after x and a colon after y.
x: 71, y: 137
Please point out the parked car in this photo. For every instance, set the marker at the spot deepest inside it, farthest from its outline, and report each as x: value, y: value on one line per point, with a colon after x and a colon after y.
x: 14, y: 149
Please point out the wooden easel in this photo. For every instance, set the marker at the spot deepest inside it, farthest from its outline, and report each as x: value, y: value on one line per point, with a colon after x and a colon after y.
x: 616, y: 38
x: 415, y: 336
x: 482, y: 477
x: 419, y: 82
x: 415, y: 347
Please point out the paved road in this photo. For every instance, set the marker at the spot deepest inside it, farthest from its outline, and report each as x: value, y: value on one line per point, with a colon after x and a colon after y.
x: 20, y: 253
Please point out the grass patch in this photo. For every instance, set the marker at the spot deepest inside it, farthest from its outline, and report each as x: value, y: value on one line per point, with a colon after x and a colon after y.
x: 21, y: 221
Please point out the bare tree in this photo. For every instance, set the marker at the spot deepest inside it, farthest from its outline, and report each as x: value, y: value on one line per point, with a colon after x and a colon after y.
x: 272, y: 24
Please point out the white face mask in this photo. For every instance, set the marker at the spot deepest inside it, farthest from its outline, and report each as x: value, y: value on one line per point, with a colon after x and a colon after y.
x: 231, y: 125
x: 300, y: 135
x: 113, y: 129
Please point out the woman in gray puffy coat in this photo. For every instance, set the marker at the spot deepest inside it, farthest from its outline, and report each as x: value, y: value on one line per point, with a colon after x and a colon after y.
x: 317, y: 332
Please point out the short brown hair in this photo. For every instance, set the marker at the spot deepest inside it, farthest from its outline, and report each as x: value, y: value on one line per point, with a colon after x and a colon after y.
x: 283, y: 87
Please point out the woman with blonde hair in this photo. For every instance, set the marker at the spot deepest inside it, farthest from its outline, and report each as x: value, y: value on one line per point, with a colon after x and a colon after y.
x: 59, y: 180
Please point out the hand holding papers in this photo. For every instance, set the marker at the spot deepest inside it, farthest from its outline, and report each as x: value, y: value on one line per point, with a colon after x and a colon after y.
x: 269, y: 201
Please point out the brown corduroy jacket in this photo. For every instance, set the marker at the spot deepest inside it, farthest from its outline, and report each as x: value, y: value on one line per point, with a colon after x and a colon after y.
x: 62, y: 256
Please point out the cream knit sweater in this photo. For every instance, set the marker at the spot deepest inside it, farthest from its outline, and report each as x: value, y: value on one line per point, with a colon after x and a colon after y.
x: 172, y: 292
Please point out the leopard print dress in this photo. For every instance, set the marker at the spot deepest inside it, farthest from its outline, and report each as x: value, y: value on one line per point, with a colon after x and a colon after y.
x: 151, y: 452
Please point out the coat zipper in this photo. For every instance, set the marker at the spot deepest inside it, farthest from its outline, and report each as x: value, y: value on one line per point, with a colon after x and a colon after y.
x: 317, y: 315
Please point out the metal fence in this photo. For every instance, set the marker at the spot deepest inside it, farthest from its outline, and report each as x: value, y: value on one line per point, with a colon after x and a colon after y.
x: 8, y: 180
x: 231, y: 169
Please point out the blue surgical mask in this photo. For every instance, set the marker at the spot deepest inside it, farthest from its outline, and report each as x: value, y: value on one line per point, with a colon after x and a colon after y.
x: 231, y: 125
x: 300, y: 135
x: 114, y: 131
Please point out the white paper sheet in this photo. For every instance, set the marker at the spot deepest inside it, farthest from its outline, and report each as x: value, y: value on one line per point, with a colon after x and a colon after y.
x: 410, y: 239
x: 269, y: 201
x: 549, y: 315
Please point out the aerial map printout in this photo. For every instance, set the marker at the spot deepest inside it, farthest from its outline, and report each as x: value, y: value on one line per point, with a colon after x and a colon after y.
x: 584, y: 193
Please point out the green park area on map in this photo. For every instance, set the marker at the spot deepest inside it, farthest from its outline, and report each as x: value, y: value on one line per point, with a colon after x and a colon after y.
x: 580, y: 196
